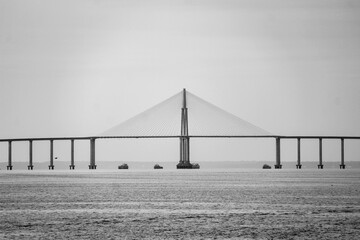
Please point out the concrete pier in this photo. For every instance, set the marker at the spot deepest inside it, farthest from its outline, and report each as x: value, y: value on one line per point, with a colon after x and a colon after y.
x: 72, y: 165
x: 278, y: 154
x: 320, y: 165
x: 30, y: 166
x: 51, y: 166
x: 9, y: 166
x: 92, y: 154
x: 298, y: 165
x: 342, y: 165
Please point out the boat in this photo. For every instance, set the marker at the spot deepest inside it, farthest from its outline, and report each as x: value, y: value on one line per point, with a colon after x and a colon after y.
x: 157, y: 166
x: 195, y: 166
x: 123, y: 166
x: 265, y: 166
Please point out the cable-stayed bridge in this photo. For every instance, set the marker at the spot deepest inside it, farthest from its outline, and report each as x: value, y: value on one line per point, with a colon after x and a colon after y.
x: 182, y: 116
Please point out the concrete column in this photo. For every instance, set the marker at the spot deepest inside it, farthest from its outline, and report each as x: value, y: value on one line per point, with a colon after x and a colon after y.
x: 72, y: 165
x: 51, y: 166
x: 298, y: 165
x: 92, y: 154
x: 30, y: 166
x: 9, y: 166
x: 342, y: 165
x: 181, y: 150
x: 278, y: 154
x: 320, y: 166
x: 188, y: 149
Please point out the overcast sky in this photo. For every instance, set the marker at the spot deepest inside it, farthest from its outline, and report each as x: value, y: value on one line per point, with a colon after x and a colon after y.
x: 70, y: 68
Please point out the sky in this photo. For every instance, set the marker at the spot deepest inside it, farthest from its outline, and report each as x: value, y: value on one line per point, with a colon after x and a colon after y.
x: 77, y: 68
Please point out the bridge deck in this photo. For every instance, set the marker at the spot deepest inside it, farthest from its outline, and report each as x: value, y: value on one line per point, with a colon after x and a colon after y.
x: 179, y: 136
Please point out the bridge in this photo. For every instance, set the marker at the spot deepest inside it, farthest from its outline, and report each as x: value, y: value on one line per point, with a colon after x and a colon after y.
x: 170, y: 119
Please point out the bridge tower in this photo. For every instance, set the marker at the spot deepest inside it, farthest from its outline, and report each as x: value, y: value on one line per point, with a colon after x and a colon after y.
x: 184, y: 138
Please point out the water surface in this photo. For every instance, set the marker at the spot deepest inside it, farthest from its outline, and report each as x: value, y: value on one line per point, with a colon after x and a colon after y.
x: 185, y: 204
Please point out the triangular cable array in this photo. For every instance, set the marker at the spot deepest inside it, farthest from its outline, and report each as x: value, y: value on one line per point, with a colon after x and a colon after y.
x: 161, y: 120
x: 205, y: 119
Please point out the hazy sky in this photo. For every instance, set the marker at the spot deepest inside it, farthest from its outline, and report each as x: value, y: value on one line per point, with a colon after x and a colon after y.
x: 70, y: 68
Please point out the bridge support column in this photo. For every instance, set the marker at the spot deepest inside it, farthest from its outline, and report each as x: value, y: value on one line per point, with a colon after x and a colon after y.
x: 181, y: 151
x: 51, y: 166
x: 92, y: 154
x: 72, y: 165
x: 278, y: 154
x: 184, y: 139
x: 184, y: 153
x: 342, y: 165
x: 188, y: 150
x: 320, y: 166
x: 9, y: 166
x: 298, y: 165
x: 30, y: 166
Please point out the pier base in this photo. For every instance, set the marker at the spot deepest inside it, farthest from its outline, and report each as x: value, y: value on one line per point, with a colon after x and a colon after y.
x: 342, y: 166
x: 30, y: 167
x: 278, y: 166
x: 184, y: 166
x: 72, y: 167
x: 320, y: 166
x: 92, y: 166
x: 51, y: 167
x: 9, y: 167
x: 298, y: 166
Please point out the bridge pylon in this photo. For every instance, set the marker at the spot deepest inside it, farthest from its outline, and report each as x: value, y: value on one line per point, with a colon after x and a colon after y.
x: 184, y: 162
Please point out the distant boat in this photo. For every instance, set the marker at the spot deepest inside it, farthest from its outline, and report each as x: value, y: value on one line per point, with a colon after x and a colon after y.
x: 123, y: 166
x: 195, y: 166
x: 265, y: 166
x: 157, y: 166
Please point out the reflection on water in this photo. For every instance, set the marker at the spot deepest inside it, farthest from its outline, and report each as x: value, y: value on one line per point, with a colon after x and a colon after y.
x: 195, y: 204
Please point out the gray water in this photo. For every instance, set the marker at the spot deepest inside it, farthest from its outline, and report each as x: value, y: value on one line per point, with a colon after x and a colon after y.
x: 184, y: 204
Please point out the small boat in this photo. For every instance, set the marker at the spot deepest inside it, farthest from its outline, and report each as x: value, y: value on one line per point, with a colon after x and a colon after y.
x: 265, y: 166
x: 195, y: 166
x: 123, y: 166
x: 157, y: 166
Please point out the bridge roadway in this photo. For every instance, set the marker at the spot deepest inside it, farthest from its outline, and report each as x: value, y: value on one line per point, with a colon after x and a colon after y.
x: 92, y: 139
